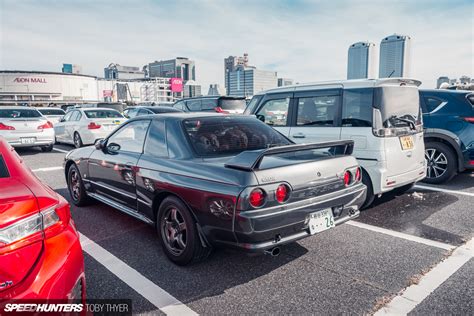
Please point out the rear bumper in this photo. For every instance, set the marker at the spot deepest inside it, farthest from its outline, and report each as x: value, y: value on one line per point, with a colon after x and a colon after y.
x: 391, y: 182
x: 89, y: 136
x: 44, y: 138
x: 263, y: 229
x: 58, y: 274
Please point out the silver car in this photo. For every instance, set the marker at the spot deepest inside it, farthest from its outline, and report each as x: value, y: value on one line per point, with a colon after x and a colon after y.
x: 26, y: 127
x: 53, y: 115
x: 83, y: 126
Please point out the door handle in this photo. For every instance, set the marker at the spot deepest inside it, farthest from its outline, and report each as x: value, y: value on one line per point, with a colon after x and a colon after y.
x: 299, y: 135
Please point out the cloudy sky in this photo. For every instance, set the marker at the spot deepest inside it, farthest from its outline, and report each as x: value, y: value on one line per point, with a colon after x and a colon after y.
x: 303, y: 40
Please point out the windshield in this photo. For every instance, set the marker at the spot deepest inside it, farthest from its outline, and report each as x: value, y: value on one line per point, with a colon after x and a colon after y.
x: 399, y: 106
x: 103, y: 114
x: 233, y: 104
x: 51, y: 111
x: 19, y: 113
x: 229, y: 136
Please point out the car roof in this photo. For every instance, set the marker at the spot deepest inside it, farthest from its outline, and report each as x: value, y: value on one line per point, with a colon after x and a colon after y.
x: 212, y: 97
x: 48, y: 108
x: 96, y: 109
x: 17, y: 108
x: 447, y: 91
x: 179, y: 116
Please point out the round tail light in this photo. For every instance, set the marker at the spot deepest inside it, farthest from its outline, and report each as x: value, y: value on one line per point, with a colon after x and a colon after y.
x: 282, y: 193
x: 358, y: 175
x: 347, y: 178
x: 257, y: 198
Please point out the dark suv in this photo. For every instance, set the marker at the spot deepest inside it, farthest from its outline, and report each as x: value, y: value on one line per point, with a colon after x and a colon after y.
x: 220, y: 104
x: 448, y: 118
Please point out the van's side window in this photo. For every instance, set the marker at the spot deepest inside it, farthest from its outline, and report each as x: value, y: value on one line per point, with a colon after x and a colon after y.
x: 275, y: 112
x: 317, y: 111
x: 357, y: 108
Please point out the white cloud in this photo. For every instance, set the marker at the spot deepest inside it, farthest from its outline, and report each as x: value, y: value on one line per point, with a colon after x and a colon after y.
x: 306, y: 40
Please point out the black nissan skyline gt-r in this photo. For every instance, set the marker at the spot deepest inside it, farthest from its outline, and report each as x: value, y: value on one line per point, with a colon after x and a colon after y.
x: 209, y: 180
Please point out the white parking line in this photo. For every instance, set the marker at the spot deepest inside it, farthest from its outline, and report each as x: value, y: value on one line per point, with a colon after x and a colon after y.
x: 413, y: 295
x: 393, y: 233
x: 47, y: 169
x: 149, y: 290
x: 61, y: 150
x: 425, y: 187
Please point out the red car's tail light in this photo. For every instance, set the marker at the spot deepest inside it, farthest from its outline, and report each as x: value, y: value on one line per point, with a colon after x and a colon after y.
x: 93, y: 125
x: 347, y: 178
x: 218, y: 109
x: 46, y: 125
x: 257, y: 198
x: 4, y: 127
x: 358, y: 175
x: 282, y: 193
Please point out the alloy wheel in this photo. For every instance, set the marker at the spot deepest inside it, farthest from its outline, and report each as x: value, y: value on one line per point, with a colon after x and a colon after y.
x: 75, y: 185
x: 437, y: 163
x: 77, y: 140
x: 174, y: 231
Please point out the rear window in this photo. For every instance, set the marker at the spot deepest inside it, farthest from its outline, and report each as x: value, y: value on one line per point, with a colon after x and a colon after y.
x: 233, y: 104
x: 164, y: 109
x: 3, y: 168
x: 229, y: 136
x: 19, y: 113
x: 51, y: 111
x: 103, y: 114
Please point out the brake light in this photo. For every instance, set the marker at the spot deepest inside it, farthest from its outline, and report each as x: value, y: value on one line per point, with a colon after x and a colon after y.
x: 4, y: 127
x: 93, y: 125
x: 257, y: 198
x: 469, y: 119
x: 358, y: 175
x: 347, y: 178
x: 282, y: 193
x: 48, y: 124
x: 218, y: 109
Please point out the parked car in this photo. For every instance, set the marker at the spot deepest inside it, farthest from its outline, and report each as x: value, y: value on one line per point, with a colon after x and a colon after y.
x: 105, y: 105
x: 381, y: 116
x: 147, y: 110
x: 448, y: 118
x: 219, y: 104
x: 52, y: 114
x: 208, y: 180
x: 26, y: 127
x: 40, y: 253
x: 83, y: 126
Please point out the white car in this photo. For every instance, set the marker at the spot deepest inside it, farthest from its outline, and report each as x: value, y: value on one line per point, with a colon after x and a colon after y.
x: 83, y: 126
x: 26, y: 127
x: 53, y: 115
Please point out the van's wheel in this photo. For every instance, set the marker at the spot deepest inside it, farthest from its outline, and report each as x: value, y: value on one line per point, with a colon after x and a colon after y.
x: 441, y: 163
x: 77, y: 140
x: 47, y: 148
x: 76, y: 187
x: 370, y: 197
x: 178, y: 233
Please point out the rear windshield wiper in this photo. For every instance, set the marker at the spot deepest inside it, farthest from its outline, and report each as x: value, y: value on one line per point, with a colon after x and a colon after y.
x: 409, y: 122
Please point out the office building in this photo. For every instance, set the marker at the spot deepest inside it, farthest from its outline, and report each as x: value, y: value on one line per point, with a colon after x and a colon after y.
x: 284, y: 82
x: 215, y: 89
x: 441, y: 80
x: 191, y: 89
x: 179, y: 67
x: 116, y: 71
x: 72, y: 69
x: 361, y: 61
x: 231, y: 63
x: 246, y: 81
x: 395, y: 56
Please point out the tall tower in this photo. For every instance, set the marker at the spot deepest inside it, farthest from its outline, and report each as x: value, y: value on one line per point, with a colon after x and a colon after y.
x: 361, y: 61
x: 395, y: 56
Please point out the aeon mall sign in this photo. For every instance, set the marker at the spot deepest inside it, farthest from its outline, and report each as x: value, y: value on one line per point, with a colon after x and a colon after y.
x: 29, y: 80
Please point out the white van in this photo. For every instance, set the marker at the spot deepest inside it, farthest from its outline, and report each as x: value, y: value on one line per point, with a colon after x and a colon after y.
x: 382, y: 116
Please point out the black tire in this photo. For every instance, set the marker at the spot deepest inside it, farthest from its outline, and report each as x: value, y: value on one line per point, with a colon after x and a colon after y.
x: 76, y: 188
x: 47, y: 148
x: 439, y: 156
x: 370, y: 197
x: 403, y: 189
x: 77, y: 140
x: 193, y: 250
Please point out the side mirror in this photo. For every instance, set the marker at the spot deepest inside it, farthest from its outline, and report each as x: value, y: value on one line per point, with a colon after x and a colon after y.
x: 62, y: 119
x: 261, y: 117
x: 99, y: 144
x: 112, y: 148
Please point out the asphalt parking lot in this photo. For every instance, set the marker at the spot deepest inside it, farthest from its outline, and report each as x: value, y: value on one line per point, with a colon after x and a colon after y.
x: 406, y: 254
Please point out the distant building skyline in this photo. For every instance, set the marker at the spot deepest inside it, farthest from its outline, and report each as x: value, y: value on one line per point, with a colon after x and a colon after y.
x: 116, y: 71
x: 179, y: 67
x: 231, y: 63
x: 395, y: 56
x: 361, y: 61
x: 246, y: 81
x: 284, y: 82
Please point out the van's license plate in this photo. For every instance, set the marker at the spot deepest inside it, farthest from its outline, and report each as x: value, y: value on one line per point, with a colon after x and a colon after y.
x: 320, y: 221
x: 406, y: 142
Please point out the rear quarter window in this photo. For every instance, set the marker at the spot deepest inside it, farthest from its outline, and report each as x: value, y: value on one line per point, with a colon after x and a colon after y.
x: 3, y: 168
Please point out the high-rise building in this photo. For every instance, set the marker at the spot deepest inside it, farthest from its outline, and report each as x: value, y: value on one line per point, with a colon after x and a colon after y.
x: 441, y: 80
x: 246, y: 81
x: 231, y: 63
x: 395, y: 56
x: 191, y: 89
x: 116, y: 71
x: 284, y: 82
x: 179, y: 67
x: 361, y: 61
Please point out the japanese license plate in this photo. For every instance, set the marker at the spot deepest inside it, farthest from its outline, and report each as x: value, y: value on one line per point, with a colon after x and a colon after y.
x: 320, y: 221
x: 27, y: 140
x: 406, y: 142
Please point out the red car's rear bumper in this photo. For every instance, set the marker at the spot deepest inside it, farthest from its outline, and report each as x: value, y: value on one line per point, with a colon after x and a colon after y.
x: 58, y: 273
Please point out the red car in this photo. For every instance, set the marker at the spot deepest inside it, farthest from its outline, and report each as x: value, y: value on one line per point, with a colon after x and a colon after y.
x: 40, y: 253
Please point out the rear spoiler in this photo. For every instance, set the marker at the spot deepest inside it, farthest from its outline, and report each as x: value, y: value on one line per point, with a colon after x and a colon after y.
x: 250, y: 160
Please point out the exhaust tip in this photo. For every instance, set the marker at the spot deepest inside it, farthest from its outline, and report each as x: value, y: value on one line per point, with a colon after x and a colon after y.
x: 274, y: 252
